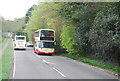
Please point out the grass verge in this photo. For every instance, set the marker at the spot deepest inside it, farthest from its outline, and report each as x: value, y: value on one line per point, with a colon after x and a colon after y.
x: 3, y: 42
x: 6, y: 61
x: 94, y: 63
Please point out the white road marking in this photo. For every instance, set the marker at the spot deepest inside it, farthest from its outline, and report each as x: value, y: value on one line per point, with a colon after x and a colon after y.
x: 59, y: 72
x: 47, y: 62
x: 14, y: 66
x: 52, y: 67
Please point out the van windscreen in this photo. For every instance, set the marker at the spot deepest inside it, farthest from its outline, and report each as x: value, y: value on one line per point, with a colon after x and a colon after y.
x: 20, y: 38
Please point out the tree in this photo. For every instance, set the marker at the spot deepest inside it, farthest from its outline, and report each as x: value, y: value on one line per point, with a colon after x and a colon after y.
x: 29, y: 13
x: 68, y: 39
x: 46, y: 15
x: 105, y: 32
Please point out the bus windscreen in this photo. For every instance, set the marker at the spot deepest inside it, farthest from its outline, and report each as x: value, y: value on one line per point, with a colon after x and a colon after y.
x: 46, y: 44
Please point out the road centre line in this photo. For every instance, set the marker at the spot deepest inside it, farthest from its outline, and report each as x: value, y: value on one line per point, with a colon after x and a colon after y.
x: 52, y: 67
x: 47, y: 62
x: 59, y: 72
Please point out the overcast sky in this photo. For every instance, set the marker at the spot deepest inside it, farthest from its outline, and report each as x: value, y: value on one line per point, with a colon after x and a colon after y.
x: 10, y: 9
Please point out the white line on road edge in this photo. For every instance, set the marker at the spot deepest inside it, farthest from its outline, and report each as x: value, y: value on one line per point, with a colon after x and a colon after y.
x: 14, y: 66
x: 59, y: 72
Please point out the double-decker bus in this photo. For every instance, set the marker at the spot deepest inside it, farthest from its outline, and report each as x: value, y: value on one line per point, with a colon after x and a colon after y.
x: 44, y: 41
x: 44, y: 35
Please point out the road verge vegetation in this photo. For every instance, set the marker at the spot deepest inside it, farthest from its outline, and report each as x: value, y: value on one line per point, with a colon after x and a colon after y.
x: 3, y: 42
x: 109, y: 67
x: 6, y: 61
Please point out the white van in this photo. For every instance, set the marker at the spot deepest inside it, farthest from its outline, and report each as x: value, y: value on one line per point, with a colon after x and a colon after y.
x: 20, y: 42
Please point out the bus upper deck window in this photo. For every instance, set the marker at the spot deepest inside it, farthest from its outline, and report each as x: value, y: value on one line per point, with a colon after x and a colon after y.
x: 46, y: 33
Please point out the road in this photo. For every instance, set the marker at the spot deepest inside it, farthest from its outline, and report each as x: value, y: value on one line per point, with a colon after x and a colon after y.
x: 28, y: 65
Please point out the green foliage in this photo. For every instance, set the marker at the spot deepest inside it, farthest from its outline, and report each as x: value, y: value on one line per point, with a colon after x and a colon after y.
x: 97, y: 27
x: 29, y: 13
x: 106, y: 28
x: 45, y: 16
x: 78, y: 14
x: 68, y: 39
x: 16, y: 25
x: 105, y: 32
x: 91, y: 29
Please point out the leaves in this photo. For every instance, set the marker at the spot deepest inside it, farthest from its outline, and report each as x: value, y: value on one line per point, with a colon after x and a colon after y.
x: 81, y: 28
x: 16, y: 25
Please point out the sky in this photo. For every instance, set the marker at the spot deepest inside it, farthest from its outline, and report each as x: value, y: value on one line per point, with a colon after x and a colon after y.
x: 11, y: 9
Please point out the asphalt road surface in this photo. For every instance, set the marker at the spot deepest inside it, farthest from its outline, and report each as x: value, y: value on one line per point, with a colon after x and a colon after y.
x: 28, y: 65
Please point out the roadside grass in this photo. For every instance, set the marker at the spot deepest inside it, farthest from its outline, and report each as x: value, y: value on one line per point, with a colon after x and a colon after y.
x: 3, y: 42
x: 6, y: 61
x: 94, y: 63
